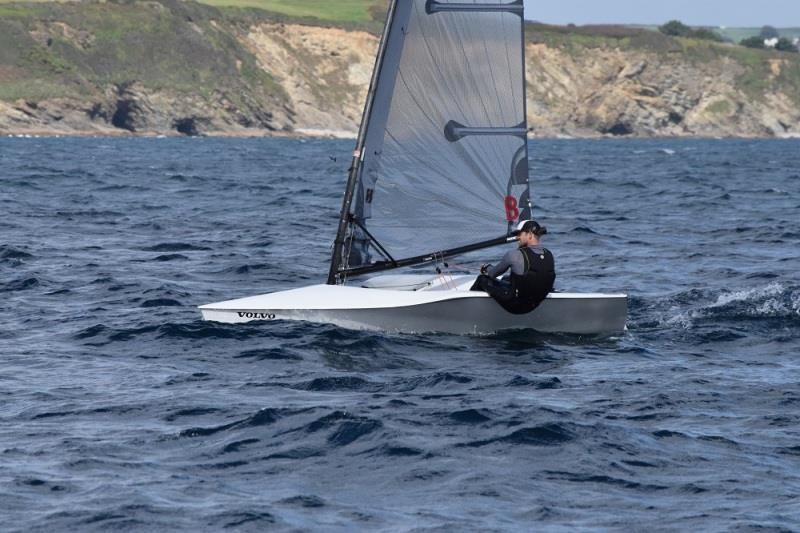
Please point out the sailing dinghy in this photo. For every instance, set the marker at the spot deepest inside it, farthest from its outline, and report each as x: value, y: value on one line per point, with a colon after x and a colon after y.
x: 440, y: 169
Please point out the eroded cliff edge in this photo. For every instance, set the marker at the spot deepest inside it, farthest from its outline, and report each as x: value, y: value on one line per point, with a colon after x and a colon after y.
x: 179, y: 68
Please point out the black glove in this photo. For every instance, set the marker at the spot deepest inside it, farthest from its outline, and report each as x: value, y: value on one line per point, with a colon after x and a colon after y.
x: 485, y: 269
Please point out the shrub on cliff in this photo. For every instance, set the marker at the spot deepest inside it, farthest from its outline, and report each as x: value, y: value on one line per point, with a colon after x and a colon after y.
x: 676, y: 28
x: 753, y: 42
x: 706, y: 34
x: 785, y: 45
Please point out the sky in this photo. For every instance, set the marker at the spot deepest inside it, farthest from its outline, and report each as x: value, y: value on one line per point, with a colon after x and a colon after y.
x: 731, y: 13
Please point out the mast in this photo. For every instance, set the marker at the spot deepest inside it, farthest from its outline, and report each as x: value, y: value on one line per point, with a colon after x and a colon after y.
x: 358, y: 153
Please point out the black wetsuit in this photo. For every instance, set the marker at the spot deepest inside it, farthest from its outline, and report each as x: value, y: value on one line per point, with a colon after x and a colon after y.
x: 533, y: 274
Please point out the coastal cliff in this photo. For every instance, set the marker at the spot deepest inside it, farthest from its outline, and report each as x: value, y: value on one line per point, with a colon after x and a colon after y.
x: 169, y: 67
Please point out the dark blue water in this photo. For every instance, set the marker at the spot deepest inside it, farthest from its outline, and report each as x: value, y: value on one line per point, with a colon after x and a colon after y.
x: 120, y: 409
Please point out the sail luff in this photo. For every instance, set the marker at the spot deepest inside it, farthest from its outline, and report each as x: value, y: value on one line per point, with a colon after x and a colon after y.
x: 527, y: 210
x: 358, y: 153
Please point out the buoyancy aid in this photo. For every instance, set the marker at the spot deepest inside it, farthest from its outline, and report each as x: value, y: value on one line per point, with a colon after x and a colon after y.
x: 532, y: 287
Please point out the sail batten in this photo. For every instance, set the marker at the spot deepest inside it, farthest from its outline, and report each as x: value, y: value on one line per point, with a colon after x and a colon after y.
x: 434, y: 6
x: 443, y: 162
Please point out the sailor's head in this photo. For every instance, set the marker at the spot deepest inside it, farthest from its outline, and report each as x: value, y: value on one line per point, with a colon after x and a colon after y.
x: 530, y: 226
x: 529, y: 232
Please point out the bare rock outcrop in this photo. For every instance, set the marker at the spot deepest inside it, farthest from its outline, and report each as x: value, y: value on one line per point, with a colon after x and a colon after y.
x: 324, y: 71
x: 620, y: 93
x: 133, y: 109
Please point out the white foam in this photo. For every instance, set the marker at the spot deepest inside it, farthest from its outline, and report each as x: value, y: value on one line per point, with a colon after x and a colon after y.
x: 768, y: 301
x: 326, y: 133
x: 683, y: 320
x: 771, y: 290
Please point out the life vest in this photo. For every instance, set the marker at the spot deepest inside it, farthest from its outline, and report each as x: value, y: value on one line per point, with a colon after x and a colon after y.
x: 532, y: 287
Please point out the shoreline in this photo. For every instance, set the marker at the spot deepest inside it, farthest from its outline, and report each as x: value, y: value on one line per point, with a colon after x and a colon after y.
x: 312, y: 133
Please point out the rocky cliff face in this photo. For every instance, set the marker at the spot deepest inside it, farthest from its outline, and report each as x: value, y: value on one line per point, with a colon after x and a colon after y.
x: 325, y: 73
x: 134, y: 109
x: 608, y: 91
x: 313, y: 81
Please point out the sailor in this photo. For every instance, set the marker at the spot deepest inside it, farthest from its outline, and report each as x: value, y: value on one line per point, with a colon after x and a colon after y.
x: 533, y: 272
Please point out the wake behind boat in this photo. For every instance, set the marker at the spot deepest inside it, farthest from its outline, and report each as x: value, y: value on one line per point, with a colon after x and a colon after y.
x: 440, y: 169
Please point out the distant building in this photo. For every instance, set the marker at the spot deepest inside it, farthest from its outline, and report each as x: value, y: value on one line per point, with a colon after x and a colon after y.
x: 770, y: 43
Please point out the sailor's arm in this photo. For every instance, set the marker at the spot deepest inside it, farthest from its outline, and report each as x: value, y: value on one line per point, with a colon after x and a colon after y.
x: 502, y: 266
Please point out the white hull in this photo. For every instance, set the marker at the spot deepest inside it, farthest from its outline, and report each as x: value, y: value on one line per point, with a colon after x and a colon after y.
x: 420, y: 304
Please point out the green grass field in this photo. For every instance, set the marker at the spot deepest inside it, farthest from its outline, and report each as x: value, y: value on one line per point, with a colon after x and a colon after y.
x: 329, y: 10
x: 349, y: 11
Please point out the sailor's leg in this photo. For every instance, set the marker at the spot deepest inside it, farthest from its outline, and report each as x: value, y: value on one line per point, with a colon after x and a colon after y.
x: 480, y: 284
x: 499, y: 290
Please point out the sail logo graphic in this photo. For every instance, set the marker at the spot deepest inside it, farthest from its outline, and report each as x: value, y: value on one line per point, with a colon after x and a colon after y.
x: 257, y: 316
x: 512, y: 209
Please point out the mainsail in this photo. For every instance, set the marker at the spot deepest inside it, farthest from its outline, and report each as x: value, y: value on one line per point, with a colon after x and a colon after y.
x: 441, y: 162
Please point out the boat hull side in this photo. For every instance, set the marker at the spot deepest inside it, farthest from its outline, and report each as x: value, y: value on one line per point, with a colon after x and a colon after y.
x: 574, y: 315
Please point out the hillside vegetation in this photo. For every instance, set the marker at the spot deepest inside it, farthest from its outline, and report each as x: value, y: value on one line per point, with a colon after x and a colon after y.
x: 256, y: 67
x: 349, y: 11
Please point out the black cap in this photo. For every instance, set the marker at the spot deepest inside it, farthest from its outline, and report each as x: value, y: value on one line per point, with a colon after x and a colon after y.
x: 530, y: 226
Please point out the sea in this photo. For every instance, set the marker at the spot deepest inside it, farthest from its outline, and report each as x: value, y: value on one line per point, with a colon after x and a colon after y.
x: 121, y: 410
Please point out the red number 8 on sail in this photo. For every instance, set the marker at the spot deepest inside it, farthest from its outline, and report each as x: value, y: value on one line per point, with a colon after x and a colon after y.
x: 512, y: 209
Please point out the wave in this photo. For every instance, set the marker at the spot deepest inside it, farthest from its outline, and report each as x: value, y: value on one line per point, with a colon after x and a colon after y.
x: 238, y: 445
x: 89, y: 213
x: 263, y: 354
x: 470, y: 416
x: 20, y: 285
x: 352, y: 430
x: 120, y: 187
x: 9, y: 252
x: 170, y: 257
x: 389, y: 450
x: 192, y: 411
x: 101, y: 335
x: 343, y: 428
x: 774, y: 301
x: 519, y: 381
x: 176, y: 247
x: 309, y: 501
x: 261, y: 418
x: 339, y: 383
x: 633, y: 184
x: 161, y: 302
x: 358, y: 384
x: 250, y: 520
x: 440, y: 378
x: 246, y: 269
x: 602, y: 480
x: 584, y: 229
x: 551, y: 434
